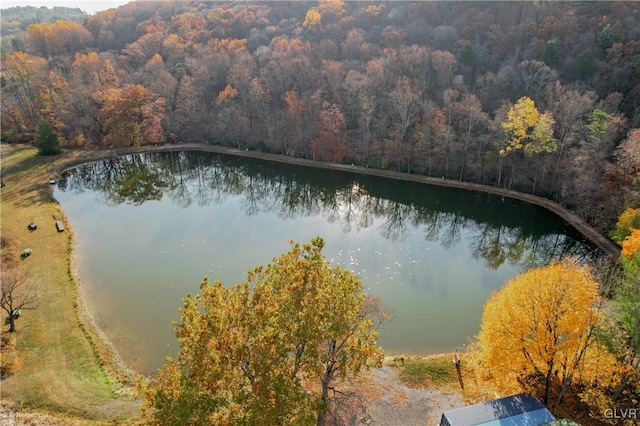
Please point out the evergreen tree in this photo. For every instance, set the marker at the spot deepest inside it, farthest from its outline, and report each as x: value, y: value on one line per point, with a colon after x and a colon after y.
x: 46, y: 139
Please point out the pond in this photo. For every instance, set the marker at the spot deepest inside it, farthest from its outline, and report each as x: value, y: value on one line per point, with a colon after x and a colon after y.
x: 150, y: 227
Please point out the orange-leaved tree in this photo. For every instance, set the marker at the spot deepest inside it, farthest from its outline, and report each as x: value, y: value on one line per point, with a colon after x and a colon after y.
x: 538, y: 334
x: 131, y: 115
x: 269, y: 350
x: 628, y: 220
x: 631, y: 243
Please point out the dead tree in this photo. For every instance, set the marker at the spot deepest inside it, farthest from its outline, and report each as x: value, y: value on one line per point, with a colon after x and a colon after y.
x: 16, y: 296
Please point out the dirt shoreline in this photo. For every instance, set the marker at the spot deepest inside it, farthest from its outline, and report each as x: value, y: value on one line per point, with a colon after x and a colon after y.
x: 602, y: 242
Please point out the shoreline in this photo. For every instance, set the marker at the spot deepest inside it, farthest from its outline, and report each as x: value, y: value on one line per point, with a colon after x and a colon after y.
x: 104, y: 350
x: 590, y: 233
x: 122, y: 369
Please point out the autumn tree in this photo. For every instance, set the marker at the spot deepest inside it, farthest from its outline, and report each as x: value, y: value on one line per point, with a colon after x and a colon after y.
x: 528, y: 130
x: 535, y: 76
x: 537, y: 333
x: 464, y: 113
x: 59, y: 38
x: 155, y: 77
x: 631, y: 243
x: 628, y: 155
x: 90, y: 74
x: 312, y: 19
x: 570, y: 110
x: 404, y: 102
x: 625, y: 309
x: 628, y: 220
x: 329, y: 144
x: 289, y: 67
x: 331, y: 9
x: 293, y: 123
x: 22, y: 77
x: 269, y: 350
x: 131, y: 115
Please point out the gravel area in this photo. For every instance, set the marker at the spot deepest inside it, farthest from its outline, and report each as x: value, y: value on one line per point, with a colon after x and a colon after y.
x: 400, y: 405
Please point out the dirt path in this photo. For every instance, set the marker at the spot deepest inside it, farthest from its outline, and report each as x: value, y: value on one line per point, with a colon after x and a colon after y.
x: 401, y: 405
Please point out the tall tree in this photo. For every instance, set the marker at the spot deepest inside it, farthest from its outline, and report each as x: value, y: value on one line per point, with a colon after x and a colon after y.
x: 60, y: 38
x: 155, y: 77
x: 21, y: 80
x: 404, y: 101
x: 90, y: 73
x: 537, y: 333
x: 466, y: 116
x: 131, y: 115
x: 293, y: 142
x: 46, y: 140
x: 329, y: 144
x: 570, y: 109
x: 528, y: 130
x: 628, y: 154
x: 269, y: 350
x: 535, y: 76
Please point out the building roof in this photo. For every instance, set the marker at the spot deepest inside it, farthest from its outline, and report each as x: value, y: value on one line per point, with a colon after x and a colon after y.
x: 516, y: 410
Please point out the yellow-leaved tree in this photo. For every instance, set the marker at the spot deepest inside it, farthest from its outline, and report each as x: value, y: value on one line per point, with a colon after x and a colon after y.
x: 538, y: 334
x: 527, y: 129
x: 269, y: 350
x: 312, y: 19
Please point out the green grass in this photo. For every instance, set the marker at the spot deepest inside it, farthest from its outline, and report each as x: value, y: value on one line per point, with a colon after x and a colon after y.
x: 427, y: 372
x: 62, y: 367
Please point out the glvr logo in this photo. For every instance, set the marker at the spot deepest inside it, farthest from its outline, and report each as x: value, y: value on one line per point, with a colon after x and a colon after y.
x: 621, y: 413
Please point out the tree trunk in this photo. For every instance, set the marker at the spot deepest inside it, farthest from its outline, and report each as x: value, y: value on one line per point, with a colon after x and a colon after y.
x: 324, y: 409
x: 548, y: 385
x: 625, y: 381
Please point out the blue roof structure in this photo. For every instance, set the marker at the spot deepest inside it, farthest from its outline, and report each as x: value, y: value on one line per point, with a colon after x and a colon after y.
x: 516, y: 410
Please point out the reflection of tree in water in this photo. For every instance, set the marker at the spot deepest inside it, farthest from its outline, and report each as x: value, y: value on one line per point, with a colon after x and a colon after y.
x: 499, y: 244
x: 131, y: 180
x: 493, y: 225
x: 137, y: 183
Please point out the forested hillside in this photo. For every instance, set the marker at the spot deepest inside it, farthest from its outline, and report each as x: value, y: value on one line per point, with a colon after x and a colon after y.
x: 541, y: 97
x: 15, y: 20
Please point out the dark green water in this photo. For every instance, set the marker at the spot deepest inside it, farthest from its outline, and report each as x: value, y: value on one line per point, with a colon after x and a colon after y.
x: 149, y: 227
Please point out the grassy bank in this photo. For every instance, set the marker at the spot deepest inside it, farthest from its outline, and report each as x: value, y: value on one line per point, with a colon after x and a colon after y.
x: 56, y: 361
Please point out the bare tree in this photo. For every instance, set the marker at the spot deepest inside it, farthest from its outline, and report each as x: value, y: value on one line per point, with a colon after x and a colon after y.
x: 16, y: 296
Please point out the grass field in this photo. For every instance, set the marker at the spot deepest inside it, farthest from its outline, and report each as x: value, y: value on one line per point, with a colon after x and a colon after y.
x: 435, y: 371
x: 55, y: 360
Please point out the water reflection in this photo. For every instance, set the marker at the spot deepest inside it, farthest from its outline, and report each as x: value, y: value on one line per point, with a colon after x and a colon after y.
x: 149, y: 227
x: 497, y: 229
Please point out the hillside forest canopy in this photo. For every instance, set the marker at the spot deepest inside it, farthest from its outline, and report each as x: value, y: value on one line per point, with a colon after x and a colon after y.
x: 541, y: 97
